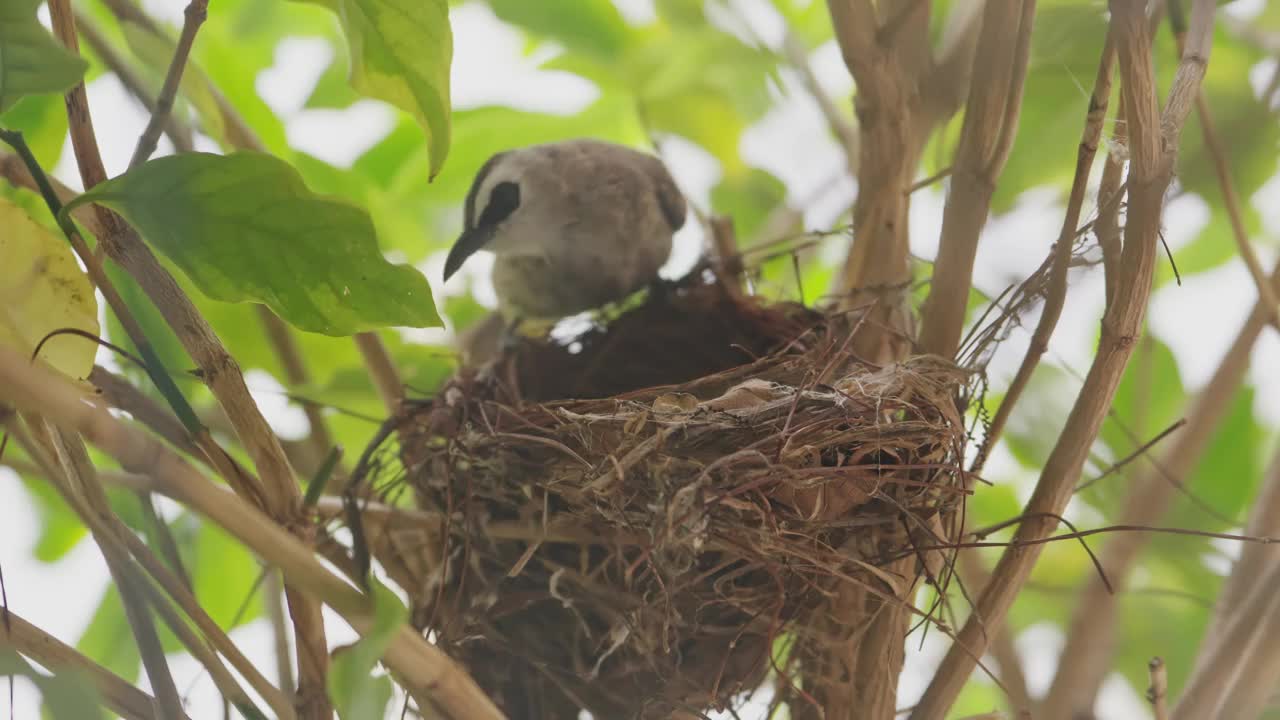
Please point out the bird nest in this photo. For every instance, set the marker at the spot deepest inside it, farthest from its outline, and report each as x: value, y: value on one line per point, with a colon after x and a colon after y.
x: 642, y: 522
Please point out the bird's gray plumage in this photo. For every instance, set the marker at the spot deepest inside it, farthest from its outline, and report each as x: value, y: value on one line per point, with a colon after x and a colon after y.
x: 573, y: 225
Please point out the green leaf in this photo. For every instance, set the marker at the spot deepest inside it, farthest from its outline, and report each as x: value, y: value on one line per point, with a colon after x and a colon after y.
x: 1066, y: 43
x: 401, y: 51
x: 108, y: 638
x: 355, y: 692
x: 224, y: 574
x: 749, y: 198
x: 31, y: 61
x: 244, y: 227
x: 60, y: 528
x: 592, y: 27
x: 68, y: 695
x: 43, y: 122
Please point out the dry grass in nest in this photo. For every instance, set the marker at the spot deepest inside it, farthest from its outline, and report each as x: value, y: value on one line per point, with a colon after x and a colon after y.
x: 655, y: 545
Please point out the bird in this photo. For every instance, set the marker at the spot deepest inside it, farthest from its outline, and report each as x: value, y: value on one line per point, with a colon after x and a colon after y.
x: 573, y: 225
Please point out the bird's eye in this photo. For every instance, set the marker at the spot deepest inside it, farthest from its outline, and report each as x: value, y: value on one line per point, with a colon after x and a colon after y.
x: 503, y: 200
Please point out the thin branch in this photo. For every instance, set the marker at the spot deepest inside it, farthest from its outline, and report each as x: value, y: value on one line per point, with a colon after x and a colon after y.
x: 1158, y: 691
x: 119, y: 695
x: 281, y: 338
x: 177, y: 130
x: 1056, y: 297
x: 382, y: 369
x: 76, y: 479
x: 1209, y: 131
x: 990, y: 124
x: 278, y: 493
x: 427, y: 673
x: 1084, y: 661
x: 1153, y: 151
x: 1207, y: 687
x: 193, y: 18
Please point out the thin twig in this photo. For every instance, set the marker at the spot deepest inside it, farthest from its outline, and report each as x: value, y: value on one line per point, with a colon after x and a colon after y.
x: 1153, y: 146
x: 990, y: 124
x: 278, y: 492
x: 426, y: 672
x: 1158, y: 690
x: 1084, y: 660
x: 76, y: 479
x: 1056, y: 297
x: 1230, y: 198
x: 177, y: 130
x: 193, y: 18
x: 382, y: 369
x: 119, y: 695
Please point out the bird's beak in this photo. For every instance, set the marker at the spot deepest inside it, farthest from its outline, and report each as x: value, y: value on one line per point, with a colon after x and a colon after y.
x: 468, y: 242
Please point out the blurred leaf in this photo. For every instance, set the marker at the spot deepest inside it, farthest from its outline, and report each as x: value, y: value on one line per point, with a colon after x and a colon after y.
x: 1213, y: 247
x: 591, y: 27
x: 1066, y: 43
x: 1033, y: 425
x: 68, y: 695
x: 156, y: 52
x: 245, y: 227
x: 749, y: 198
x: 809, y: 20
x: 1248, y: 132
x: 31, y: 61
x: 156, y: 329
x: 224, y: 574
x: 60, y: 528
x: 108, y: 638
x: 1227, y: 476
x: 1150, y: 399
x: 332, y: 89
x: 43, y: 122
x: 43, y: 289
x: 355, y: 692
x: 400, y: 52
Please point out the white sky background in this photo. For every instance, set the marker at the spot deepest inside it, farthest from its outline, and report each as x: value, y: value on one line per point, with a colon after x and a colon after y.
x: 1196, y: 320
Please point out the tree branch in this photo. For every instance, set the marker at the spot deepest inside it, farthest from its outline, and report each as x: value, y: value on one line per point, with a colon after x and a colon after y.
x: 1087, y: 657
x: 178, y: 132
x: 1153, y: 150
x: 990, y: 124
x: 278, y: 492
x: 426, y: 672
x: 120, y: 696
x: 193, y: 18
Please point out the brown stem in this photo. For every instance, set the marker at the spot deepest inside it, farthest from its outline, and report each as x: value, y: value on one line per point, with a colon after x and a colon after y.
x: 193, y: 18
x: 1158, y: 690
x: 120, y: 696
x: 1231, y: 200
x: 1087, y: 656
x: 382, y: 369
x: 74, y: 476
x: 278, y: 492
x: 1056, y: 297
x: 426, y: 672
x: 178, y: 132
x: 990, y: 123
x: 1153, y: 147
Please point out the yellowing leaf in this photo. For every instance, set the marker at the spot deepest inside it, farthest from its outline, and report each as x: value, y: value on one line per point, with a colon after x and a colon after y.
x: 31, y: 61
x: 401, y: 51
x: 42, y: 289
